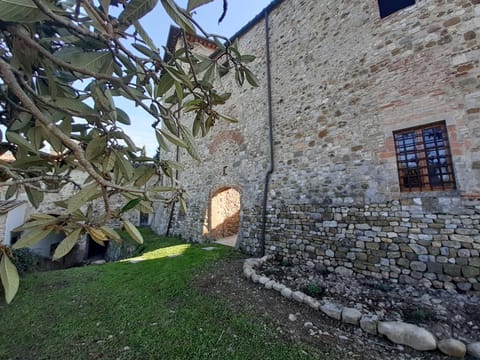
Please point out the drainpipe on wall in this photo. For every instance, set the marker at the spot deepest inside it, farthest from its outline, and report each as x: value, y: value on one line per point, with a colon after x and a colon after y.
x: 172, y: 210
x: 177, y: 159
x: 270, y: 136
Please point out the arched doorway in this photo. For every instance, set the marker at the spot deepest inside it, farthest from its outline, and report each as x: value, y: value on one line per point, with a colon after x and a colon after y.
x: 223, y: 216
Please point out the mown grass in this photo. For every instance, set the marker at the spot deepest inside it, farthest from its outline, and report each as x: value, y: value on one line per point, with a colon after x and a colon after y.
x: 140, y: 309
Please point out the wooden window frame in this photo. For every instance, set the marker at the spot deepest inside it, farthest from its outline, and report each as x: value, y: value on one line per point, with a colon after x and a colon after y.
x: 424, y: 160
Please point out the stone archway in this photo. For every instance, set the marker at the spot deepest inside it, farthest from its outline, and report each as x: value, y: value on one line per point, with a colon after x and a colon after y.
x: 222, y: 220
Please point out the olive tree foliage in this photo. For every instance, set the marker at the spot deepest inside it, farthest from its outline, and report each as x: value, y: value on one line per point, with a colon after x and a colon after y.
x: 62, y: 65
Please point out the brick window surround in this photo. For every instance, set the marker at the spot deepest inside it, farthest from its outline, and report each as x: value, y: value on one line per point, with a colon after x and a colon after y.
x: 424, y: 158
x: 388, y: 7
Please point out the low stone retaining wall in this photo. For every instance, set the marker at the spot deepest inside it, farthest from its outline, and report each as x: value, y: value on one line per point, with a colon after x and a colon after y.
x: 398, y: 332
x: 434, y: 241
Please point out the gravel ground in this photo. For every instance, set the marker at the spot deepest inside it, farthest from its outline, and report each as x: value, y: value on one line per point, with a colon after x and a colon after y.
x: 295, y: 321
x: 445, y: 313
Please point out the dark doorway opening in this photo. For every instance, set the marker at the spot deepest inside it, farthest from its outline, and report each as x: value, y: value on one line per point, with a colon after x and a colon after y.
x: 95, y: 250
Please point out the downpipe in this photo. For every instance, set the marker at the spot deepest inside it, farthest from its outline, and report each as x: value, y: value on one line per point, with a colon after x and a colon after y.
x: 271, y: 168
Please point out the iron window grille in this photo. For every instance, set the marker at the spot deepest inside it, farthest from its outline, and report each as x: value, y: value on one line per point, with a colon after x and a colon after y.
x: 424, y: 159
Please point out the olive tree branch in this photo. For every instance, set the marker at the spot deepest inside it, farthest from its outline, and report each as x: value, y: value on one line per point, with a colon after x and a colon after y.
x: 9, y: 78
x: 68, y: 24
x: 18, y: 180
x: 113, y: 80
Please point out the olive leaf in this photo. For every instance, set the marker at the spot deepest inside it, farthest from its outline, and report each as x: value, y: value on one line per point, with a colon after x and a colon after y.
x: 96, y: 147
x: 144, y: 35
x: 147, y: 172
x: 34, y: 196
x: 76, y: 201
x: 20, y: 141
x: 133, y: 231
x: 173, y: 139
x: 67, y: 244
x: 251, y: 78
x: 23, y: 11
x: 135, y: 10
x: 11, y: 191
x: 112, y: 234
x: 97, y: 235
x: 166, y: 82
x: 9, y: 277
x: 95, y: 61
x: 131, y: 204
x: 32, y: 237
x: 187, y: 137
x: 123, y: 117
x: 123, y: 165
x: 71, y: 104
x: 177, y: 15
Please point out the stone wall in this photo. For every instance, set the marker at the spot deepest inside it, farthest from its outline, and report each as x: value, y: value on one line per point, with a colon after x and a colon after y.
x: 233, y: 155
x: 433, y: 241
x: 343, y: 80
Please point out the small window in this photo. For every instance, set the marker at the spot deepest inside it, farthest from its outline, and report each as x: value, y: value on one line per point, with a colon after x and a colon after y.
x: 144, y: 219
x: 424, y: 159
x: 388, y: 7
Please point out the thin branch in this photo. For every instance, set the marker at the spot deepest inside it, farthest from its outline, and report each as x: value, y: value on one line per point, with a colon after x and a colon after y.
x: 18, y: 180
x: 106, y: 203
x: 12, y: 103
x: 189, y: 59
x: 94, y: 12
x: 27, y: 183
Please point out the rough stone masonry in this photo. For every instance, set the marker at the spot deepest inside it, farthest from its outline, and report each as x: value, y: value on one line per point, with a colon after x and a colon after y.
x: 343, y: 81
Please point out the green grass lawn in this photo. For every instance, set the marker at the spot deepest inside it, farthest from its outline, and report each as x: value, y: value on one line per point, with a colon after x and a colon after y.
x: 141, y: 310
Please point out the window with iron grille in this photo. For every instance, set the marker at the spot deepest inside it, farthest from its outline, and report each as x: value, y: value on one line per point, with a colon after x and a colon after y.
x: 388, y: 7
x: 423, y: 158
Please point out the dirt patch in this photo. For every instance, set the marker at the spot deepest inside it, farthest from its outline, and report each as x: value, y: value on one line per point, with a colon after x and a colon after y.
x: 295, y: 321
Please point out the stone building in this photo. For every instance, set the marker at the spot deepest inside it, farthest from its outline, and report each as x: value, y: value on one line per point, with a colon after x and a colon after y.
x: 12, y: 215
x: 359, y: 151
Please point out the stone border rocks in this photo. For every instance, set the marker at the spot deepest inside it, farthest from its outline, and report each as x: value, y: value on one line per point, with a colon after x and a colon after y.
x: 398, y: 332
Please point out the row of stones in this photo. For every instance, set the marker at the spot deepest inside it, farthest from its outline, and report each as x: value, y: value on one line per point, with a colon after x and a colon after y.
x: 398, y: 332
x: 386, y: 227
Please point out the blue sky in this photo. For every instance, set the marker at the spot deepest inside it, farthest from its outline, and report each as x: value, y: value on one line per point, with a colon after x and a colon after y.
x: 157, y: 23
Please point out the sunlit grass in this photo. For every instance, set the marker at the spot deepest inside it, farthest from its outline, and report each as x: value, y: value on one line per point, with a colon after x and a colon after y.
x: 170, y: 251
x: 144, y: 310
